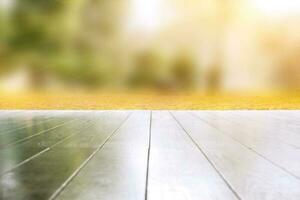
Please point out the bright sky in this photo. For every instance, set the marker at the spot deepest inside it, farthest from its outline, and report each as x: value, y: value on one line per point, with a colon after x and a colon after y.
x: 152, y: 15
x: 149, y: 15
x: 277, y: 8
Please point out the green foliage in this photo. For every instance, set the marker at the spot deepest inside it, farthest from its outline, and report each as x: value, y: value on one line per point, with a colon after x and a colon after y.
x: 43, y: 36
x: 184, y: 72
x: 85, y: 70
x: 32, y: 22
x: 77, y: 42
x: 146, y: 69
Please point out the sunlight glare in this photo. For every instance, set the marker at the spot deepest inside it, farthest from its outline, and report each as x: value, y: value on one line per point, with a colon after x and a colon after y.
x: 6, y: 4
x: 148, y: 15
x: 277, y: 8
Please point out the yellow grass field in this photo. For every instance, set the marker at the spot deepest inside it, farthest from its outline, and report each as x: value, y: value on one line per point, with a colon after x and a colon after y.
x: 149, y: 101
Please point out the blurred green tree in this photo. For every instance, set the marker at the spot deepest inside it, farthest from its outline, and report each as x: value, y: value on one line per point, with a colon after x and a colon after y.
x: 184, y: 72
x: 35, y: 37
x: 145, y: 72
x: 70, y: 40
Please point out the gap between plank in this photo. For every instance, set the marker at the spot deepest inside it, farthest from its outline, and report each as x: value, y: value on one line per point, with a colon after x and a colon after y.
x: 239, y: 124
x: 45, y: 150
x: 247, y: 147
x: 148, y: 157
x: 204, y: 154
x: 37, y: 134
x: 63, y: 186
x: 25, y: 126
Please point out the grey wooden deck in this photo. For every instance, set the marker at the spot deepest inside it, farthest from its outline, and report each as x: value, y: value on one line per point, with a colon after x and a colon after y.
x: 155, y: 155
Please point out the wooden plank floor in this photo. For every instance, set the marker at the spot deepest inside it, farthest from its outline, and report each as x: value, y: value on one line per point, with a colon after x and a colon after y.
x: 156, y: 155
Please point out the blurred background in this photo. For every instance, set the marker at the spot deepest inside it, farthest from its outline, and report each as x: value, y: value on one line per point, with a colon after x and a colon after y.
x: 163, y: 45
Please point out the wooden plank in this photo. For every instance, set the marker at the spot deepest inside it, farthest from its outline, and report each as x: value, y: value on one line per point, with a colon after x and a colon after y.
x: 5, y: 114
x: 254, y: 122
x: 11, y: 124
x: 24, y: 114
x: 29, y: 149
x: 18, y: 136
x: 118, y: 170
x: 30, y: 124
x: 41, y: 177
x: 251, y: 176
x: 268, y: 140
x: 284, y: 117
x: 178, y: 170
x: 287, y: 121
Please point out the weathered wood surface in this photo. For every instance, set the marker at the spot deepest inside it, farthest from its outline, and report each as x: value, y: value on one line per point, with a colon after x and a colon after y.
x: 153, y: 155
